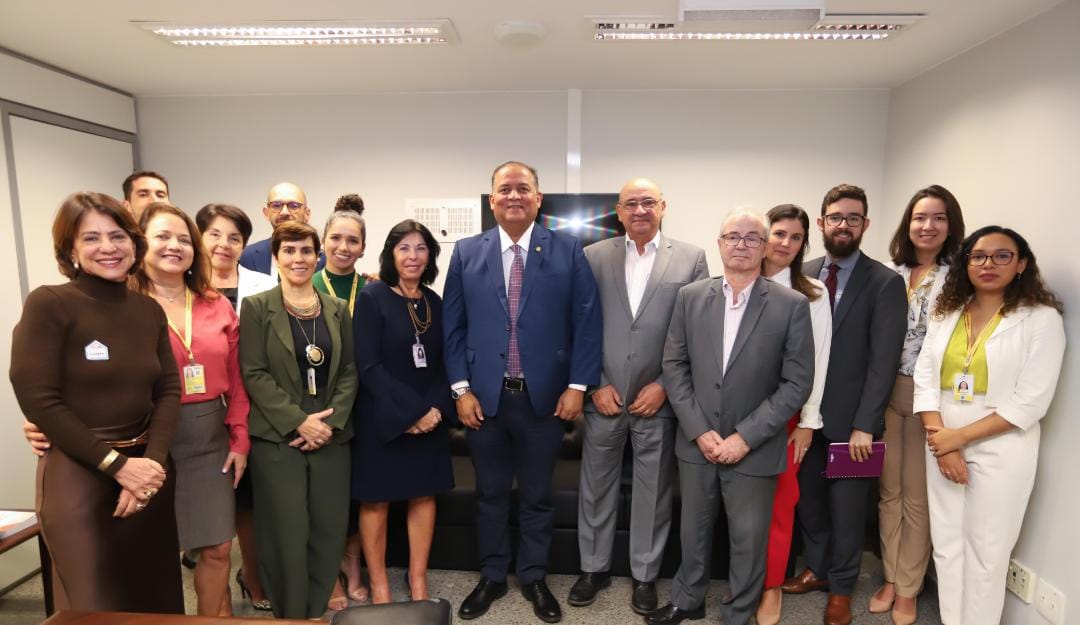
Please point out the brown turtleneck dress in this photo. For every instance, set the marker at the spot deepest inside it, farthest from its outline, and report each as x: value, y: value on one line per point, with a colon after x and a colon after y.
x: 80, y: 398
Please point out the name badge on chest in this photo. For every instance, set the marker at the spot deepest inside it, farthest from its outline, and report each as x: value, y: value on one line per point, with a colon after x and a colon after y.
x: 964, y: 387
x: 194, y: 379
x: 419, y: 354
x: 96, y: 350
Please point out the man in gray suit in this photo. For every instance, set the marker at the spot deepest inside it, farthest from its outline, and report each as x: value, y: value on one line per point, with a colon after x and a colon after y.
x: 738, y: 362
x: 638, y: 275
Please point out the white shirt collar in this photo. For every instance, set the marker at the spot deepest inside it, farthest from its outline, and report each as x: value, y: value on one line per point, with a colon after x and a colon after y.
x: 654, y: 242
x: 783, y: 277
x: 736, y: 300
x: 506, y: 242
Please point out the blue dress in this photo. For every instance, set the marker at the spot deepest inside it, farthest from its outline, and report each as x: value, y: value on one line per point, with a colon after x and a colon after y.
x: 387, y: 463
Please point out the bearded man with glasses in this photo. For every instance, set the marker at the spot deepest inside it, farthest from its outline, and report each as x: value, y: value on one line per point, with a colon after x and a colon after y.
x: 284, y: 202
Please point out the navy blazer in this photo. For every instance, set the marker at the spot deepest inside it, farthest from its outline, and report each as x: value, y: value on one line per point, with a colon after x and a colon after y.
x: 559, y: 323
x: 256, y: 257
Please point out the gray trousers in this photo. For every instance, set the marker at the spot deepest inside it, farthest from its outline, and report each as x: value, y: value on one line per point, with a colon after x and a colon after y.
x: 748, y: 502
x: 652, y: 440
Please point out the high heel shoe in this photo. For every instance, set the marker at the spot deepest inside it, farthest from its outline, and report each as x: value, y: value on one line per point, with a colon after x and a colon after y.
x: 262, y: 604
x: 337, y: 603
x: 765, y: 616
x: 879, y: 605
x: 904, y: 618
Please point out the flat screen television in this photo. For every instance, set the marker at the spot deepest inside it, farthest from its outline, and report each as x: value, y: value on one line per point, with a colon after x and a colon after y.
x: 590, y: 217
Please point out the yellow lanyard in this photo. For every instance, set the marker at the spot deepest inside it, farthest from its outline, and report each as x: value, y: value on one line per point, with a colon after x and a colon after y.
x: 352, y: 293
x: 185, y: 338
x: 979, y: 340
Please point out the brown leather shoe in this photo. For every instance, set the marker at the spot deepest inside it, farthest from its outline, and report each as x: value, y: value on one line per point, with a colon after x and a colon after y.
x: 803, y: 583
x: 838, y: 611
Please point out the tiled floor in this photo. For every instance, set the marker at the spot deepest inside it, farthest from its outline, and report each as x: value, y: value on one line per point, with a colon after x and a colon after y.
x: 23, y: 605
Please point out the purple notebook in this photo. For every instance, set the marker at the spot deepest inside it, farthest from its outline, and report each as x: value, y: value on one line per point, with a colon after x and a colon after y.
x: 840, y: 465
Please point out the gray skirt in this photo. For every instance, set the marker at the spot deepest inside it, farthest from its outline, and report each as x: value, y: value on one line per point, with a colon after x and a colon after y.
x: 205, y: 502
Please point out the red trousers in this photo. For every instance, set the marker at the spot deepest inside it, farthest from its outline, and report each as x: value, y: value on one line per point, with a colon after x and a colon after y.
x: 783, y: 517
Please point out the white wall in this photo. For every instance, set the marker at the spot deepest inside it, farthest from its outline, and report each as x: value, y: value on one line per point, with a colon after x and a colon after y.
x: 1000, y: 127
x: 711, y: 151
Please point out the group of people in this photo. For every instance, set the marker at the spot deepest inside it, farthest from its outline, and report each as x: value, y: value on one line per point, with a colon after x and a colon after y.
x: 167, y: 420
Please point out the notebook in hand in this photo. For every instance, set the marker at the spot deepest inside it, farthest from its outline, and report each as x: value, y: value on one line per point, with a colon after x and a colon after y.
x: 840, y: 465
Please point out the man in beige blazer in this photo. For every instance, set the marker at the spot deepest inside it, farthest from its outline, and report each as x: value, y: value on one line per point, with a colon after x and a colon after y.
x: 638, y: 276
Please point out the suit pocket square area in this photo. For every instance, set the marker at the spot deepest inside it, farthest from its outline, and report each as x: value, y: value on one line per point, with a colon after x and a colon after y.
x: 839, y: 464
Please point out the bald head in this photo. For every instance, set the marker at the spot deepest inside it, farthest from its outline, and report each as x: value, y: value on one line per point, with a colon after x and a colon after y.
x: 284, y: 202
x: 640, y: 209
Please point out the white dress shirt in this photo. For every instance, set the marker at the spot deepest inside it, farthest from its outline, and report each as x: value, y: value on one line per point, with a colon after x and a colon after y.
x: 734, y: 309
x: 821, y: 320
x: 638, y: 269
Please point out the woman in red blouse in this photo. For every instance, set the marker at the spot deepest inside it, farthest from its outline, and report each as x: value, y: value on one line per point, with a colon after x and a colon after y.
x: 211, y: 444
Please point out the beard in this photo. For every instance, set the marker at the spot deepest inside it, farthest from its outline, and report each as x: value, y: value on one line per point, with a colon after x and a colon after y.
x: 842, y: 249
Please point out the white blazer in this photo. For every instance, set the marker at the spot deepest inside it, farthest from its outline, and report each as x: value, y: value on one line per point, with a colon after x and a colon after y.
x: 250, y: 282
x: 1023, y: 355
x: 821, y: 322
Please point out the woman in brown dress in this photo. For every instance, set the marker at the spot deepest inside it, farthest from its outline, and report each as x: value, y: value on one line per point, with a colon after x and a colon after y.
x: 91, y: 366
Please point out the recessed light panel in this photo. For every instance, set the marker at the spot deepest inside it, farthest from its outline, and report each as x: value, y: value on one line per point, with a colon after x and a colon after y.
x: 335, y: 33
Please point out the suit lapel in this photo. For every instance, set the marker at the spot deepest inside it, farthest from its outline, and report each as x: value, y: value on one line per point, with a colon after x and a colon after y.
x: 859, y: 274
x: 758, y: 298
x: 617, y: 258
x: 493, y: 262
x: 714, y: 311
x: 656, y: 276
x: 333, y: 323
x: 534, y: 266
x: 1011, y: 321
x: 279, y: 321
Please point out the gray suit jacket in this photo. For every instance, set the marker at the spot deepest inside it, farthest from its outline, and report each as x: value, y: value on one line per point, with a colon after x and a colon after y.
x: 769, y: 376
x: 634, y: 345
x: 869, y: 325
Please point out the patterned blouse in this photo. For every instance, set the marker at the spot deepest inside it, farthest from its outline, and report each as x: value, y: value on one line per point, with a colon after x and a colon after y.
x: 917, y: 319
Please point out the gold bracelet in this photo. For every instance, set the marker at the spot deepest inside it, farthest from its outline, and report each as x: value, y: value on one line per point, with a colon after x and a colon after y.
x: 109, y: 459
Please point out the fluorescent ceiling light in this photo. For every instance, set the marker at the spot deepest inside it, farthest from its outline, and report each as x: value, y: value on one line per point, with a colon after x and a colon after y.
x: 831, y: 27
x: 701, y: 36
x: 331, y: 33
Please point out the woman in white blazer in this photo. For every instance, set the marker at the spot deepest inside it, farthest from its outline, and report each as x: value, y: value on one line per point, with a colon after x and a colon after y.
x: 985, y: 377
x: 924, y: 244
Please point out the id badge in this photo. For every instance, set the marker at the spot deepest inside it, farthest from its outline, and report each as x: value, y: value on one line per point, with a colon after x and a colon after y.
x: 419, y: 354
x: 96, y: 350
x: 194, y: 379
x: 964, y: 387
x: 311, y: 390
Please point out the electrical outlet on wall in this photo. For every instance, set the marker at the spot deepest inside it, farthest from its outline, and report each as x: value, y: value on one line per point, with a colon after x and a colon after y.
x: 1050, y: 603
x: 1021, y: 581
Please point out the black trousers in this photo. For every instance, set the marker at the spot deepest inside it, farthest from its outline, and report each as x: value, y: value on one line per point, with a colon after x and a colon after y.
x: 832, y: 514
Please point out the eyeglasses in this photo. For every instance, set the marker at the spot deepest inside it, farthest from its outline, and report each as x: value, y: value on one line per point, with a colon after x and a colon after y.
x: 277, y: 206
x: 732, y: 240
x: 648, y: 204
x: 835, y: 219
x: 1000, y: 257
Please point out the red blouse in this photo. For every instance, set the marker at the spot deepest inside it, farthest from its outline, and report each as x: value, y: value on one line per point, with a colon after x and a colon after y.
x: 215, y: 344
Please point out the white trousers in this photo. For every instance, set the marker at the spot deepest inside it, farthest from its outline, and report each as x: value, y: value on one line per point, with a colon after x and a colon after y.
x: 975, y: 527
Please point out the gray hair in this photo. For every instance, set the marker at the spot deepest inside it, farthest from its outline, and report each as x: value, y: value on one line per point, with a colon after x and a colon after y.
x: 745, y: 211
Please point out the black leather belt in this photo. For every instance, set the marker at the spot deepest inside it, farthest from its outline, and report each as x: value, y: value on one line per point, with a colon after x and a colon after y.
x: 514, y: 384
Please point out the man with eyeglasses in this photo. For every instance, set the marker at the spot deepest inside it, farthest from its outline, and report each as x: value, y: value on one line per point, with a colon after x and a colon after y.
x: 284, y: 202
x: 738, y: 362
x: 869, y: 322
x: 638, y: 276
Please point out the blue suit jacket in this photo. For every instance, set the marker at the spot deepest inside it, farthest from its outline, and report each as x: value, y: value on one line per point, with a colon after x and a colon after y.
x: 256, y: 257
x: 559, y: 322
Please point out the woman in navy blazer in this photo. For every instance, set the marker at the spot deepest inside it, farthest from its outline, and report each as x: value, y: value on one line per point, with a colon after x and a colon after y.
x: 984, y: 378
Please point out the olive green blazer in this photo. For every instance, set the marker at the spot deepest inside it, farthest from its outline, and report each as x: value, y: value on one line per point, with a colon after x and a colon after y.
x: 271, y: 376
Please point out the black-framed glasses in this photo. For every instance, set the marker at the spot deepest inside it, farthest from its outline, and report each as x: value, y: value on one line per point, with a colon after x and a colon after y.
x: 1000, y: 257
x: 732, y: 239
x: 647, y: 203
x: 292, y: 206
x: 853, y: 220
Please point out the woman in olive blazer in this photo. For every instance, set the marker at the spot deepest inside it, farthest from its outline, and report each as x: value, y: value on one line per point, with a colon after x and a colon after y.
x: 296, y: 354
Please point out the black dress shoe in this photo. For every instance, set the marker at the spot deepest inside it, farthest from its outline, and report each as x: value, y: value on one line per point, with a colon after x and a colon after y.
x: 643, y: 600
x: 671, y: 615
x: 481, y: 598
x: 187, y: 561
x: 586, y: 588
x: 545, y: 607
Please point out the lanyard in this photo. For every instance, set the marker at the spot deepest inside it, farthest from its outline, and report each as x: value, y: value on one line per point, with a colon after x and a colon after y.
x: 185, y: 338
x: 979, y: 340
x: 352, y: 293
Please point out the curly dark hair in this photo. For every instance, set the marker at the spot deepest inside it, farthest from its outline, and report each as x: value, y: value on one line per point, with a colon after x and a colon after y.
x: 902, y: 249
x: 350, y: 202
x: 1027, y: 289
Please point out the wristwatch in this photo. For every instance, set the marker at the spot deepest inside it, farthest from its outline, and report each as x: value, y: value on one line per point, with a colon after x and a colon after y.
x: 458, y: 393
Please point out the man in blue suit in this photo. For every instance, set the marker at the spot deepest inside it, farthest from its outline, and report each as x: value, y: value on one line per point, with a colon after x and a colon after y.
x: 523, y: 333
x: 284, y: 202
